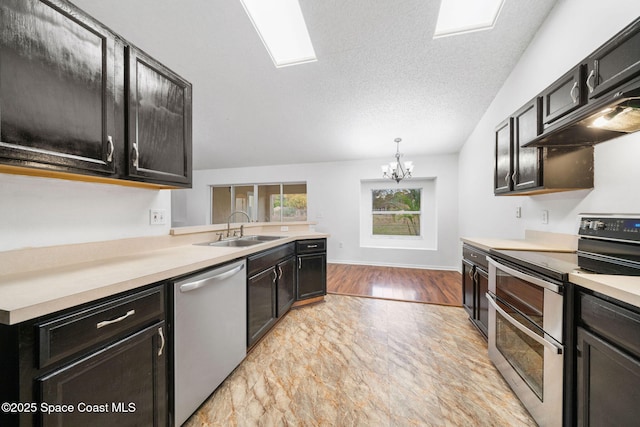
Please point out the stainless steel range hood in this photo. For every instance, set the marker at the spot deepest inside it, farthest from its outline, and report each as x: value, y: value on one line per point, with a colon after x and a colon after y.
x: 602, y: 119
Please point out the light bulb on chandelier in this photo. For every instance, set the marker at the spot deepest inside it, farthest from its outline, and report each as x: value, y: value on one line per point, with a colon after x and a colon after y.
x: 397, y: 170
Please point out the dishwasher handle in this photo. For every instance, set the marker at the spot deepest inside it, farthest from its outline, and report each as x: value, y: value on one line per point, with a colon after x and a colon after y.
x: 192, y: 286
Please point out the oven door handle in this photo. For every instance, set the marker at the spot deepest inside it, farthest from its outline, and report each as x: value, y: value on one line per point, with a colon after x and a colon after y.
x: 526, y: 277
x: 557, y: 349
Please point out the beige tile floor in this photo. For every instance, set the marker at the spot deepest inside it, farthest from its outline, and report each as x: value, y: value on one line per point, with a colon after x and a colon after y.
x: 366, y: 362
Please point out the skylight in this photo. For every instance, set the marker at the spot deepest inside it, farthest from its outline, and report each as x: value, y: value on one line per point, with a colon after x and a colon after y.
x: 465, y: 16
x: 282, y: 29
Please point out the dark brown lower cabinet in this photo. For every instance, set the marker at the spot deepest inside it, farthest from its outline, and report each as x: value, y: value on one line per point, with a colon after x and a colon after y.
x: 475, y: 285
x: 608, y: 363
x: 123, y: 384
x: 286, y: 294
x: 261, y: 297
x: 103, y: 363
x: 312, y: 268
x: 270, y: 289
x: 312, y: 276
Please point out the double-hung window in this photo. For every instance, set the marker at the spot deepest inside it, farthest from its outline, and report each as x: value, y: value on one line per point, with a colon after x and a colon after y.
x: 398, y: 216
x: 395, y: 211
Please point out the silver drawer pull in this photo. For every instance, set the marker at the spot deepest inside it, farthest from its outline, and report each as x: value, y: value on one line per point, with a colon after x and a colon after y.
x: 119, y: 319
x: 161, y: 341
x: 312, y: 246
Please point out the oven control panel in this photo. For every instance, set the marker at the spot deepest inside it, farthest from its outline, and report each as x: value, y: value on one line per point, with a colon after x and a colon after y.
x: 621, y: 227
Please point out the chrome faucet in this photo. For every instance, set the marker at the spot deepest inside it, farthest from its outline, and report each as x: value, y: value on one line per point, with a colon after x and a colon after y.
x: 241, y: 227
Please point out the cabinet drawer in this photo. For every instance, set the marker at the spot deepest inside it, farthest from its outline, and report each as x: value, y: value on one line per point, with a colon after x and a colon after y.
x: 475, y: 256
x: 79, y: 331
x: 613, y: 322
x: 258, y: 262
x: 310, y: 246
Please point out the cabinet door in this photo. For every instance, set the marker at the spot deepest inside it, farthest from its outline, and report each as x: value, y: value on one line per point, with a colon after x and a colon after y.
x: 127, y: 381
x: 159, y: 129
x: 261, y: 313
x: 503, y: 157
x: 57, y: 88
x: 312, y: 276
x: 526, y: 161
x: 608, y: 383
x: 468, y: 298
x: 482, y: 310
x: 615, y: 62
x: 286, y: 285
x: 564, y: 96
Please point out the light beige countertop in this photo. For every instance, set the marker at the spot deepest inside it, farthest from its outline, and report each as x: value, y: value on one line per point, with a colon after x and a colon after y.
x: 533, y: 241
x: 39, y: 281
x: 623, y: 288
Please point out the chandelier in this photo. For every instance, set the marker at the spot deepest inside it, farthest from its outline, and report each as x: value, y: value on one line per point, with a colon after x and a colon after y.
x: 397, y: 170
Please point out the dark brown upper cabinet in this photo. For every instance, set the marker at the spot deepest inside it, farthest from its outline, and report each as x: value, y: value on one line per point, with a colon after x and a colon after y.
x: 503, y: 157
x: 64, y: 107
x: 536, y: 170
x: 159, y: 121
x: 57, y: 88
x: 527, y: 171
x: 615, y: 62
x: 564, y: 96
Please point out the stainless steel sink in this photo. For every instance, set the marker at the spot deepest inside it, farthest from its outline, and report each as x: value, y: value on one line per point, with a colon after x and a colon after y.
x: 261, y: 238
x: 241, y: 241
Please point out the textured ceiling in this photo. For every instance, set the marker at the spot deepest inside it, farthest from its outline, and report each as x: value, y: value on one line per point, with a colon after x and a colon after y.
x: 379, y: 75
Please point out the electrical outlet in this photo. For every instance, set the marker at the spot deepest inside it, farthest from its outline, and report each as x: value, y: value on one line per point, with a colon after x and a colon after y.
x: 157, y: 217
x: 545, y: 216
x: 518, y: 212
x: 284, y: 228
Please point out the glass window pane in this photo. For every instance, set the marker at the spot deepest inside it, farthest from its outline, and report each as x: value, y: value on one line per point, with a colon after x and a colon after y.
x: 269, y: 203
x: 404, y: 199
x: 402, y: 202
x: 294, y: 204
x: 396, y: 224
x: 244, y: 201
x: 221, y: 204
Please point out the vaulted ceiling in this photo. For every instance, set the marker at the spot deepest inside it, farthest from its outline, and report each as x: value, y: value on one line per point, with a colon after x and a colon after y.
x: 379, y: 75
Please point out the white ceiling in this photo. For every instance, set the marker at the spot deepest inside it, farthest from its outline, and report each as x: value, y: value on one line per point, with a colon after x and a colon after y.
x: 379, y: 75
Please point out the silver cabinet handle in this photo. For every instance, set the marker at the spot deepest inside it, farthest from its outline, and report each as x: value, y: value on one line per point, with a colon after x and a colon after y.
x: 592, y: 74
x: 506, y: 178
x: 136, y: 154
x: 553, y: 346
x: 161, y: 341
x: 210, y: 280
x: 111, y: 149
x: 116, y: 320
x: 471, y: 274
x: 299, y: 263
x: 311, y: 246
x: 279, y: 272
x: 574, y: 92
x: 514, y: 176
x: 475, y: 275
x: 275, y: 276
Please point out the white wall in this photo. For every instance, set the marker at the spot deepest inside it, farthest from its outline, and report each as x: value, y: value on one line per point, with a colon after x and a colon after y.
x: 573, y: 30
x: 333, y: 191
x: 44, y: 212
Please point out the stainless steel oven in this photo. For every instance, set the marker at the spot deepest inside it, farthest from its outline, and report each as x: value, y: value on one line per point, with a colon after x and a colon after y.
x: 526, y: 337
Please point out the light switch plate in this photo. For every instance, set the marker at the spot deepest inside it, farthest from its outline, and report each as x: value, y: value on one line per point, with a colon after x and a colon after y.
x: 545, y: 216
x: 157, y: 216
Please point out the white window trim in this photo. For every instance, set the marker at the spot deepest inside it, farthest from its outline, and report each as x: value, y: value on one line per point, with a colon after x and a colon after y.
x: 428, y: 220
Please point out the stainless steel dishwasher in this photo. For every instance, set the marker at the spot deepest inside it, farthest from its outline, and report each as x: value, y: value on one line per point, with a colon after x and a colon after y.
x: 210, y: 324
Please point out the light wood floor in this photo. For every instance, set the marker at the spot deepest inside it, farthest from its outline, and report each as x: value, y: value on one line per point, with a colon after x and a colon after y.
x: 404, y: 284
